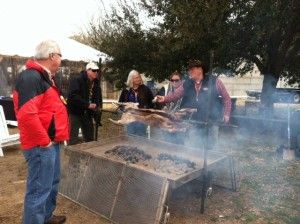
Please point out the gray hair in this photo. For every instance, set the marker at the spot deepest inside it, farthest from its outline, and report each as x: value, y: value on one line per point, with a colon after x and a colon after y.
x: 45, y: 48
x: 130, y: 76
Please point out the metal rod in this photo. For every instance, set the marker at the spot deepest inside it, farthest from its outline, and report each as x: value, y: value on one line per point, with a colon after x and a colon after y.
x: 165, y: 191
x: 232, y: 173
x: 202, y: 123
x: 288, y: 127
x: 117, y: 191
x: 83, y: 177
x: 206, y: 141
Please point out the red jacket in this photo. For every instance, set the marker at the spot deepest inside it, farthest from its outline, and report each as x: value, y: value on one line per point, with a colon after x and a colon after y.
x: 41, y: 114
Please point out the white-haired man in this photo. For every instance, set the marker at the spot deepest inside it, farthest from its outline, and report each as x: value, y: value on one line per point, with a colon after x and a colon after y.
x: 43, y: 124
x: 84, y: 98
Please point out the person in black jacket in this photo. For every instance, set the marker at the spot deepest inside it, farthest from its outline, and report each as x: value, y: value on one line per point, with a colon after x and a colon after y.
x: 136, y: 93
x: 84, y: 100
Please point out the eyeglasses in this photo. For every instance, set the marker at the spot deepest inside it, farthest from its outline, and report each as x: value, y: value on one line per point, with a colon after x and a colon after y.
x: 175, y: 80
x: 95, y: 70
x: 59, y: 54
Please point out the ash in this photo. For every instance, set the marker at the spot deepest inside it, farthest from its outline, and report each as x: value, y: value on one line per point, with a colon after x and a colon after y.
x: 163, y: 163
x: 170, y: 164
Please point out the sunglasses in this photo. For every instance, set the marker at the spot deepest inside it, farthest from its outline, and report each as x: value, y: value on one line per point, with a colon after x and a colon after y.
x: 175, y: 80
x: 95, y: 70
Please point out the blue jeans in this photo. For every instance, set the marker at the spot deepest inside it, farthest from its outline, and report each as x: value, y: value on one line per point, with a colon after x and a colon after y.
x: 42, y: 183
x: 136, y: 128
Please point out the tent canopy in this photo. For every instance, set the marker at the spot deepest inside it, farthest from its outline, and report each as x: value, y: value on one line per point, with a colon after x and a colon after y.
x: 71, y: 49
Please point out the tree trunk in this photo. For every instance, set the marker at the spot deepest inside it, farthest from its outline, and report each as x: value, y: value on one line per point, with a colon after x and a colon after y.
x: 267, y: 95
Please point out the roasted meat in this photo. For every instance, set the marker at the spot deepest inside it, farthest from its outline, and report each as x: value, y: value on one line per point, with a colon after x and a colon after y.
x: 155, y: 118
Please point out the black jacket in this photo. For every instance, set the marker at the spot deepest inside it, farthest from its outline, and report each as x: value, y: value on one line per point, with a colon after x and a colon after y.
x: 144, y: 96
x: 78, y: 94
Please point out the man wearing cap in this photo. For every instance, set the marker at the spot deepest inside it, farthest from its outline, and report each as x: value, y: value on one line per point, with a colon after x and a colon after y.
x: 43, y: 123
x: 84, y: 99
x: 195, y: 93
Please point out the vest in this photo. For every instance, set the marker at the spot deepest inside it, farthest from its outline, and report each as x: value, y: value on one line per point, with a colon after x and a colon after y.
x: 204, y: 111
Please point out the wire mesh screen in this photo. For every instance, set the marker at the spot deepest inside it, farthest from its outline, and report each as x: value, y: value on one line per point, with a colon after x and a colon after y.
x: 225, y: 173
x: 121, y: 193
x: 73, y: 166
x: 100, y: 184
x: 139, y: 199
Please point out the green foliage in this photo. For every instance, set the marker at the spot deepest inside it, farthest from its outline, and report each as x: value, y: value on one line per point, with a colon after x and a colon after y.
x: 242, y: 33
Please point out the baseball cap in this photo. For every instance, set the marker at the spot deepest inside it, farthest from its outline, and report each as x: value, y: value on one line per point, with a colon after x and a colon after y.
x: 92, y: 65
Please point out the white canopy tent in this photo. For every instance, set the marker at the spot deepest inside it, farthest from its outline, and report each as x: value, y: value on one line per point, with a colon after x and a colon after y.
x: 71, y: 50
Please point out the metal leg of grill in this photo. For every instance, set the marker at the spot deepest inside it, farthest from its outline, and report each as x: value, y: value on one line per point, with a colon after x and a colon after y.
x: 232, y: 174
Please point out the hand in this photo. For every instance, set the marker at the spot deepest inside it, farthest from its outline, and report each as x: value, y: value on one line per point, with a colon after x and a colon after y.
x: 50, y: 143
x: 160, y: 99
x: 226, y: 119
x: 92, y: 106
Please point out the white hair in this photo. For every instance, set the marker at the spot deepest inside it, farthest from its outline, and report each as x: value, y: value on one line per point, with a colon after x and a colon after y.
x: 130, y: 76
x: 45, y: 48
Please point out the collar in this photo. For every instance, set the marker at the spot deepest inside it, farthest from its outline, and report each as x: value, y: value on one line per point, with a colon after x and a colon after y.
x: 32, y: 64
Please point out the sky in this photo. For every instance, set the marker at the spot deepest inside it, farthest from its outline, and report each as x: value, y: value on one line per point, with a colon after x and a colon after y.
x: 42, y: 17
x: 25, y: 23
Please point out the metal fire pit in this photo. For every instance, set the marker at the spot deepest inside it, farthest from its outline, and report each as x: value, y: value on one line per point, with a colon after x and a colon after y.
x: 124, y: 192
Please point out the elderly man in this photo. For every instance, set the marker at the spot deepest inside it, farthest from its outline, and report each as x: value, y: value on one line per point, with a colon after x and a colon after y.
x: 195, y: 93
x: 43, y: 124
x: 84, y: 98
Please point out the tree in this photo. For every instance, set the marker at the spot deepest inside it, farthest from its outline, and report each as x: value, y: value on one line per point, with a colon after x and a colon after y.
x: 242, y: 33
x: 265, y: 33
x: 120, y: 36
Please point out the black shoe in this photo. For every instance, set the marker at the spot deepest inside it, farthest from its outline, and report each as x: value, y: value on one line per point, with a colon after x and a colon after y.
x: 57, y: 219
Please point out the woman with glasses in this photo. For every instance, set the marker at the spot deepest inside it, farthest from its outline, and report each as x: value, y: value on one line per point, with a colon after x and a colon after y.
x: 175, y: 82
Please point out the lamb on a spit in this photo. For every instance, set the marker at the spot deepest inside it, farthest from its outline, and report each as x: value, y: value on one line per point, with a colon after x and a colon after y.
x: 156, y: 118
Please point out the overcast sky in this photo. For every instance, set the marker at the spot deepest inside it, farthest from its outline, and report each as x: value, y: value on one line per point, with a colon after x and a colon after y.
x: 55, y: 17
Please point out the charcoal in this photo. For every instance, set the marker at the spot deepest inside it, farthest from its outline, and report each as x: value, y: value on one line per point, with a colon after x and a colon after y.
x: 163, y: 163
x: 129, y: 153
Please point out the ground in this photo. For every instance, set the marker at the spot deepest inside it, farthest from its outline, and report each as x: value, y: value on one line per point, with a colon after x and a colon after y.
x: 269, y: 188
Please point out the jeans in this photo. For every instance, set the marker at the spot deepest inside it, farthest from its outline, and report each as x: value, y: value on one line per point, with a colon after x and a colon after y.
x: 42, y: 183
x: 136, y: 128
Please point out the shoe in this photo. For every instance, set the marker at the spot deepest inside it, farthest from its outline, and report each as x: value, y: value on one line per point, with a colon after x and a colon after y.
x: 56, y: 219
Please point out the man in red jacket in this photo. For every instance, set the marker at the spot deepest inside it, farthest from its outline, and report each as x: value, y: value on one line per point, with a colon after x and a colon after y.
x: 43, y: 124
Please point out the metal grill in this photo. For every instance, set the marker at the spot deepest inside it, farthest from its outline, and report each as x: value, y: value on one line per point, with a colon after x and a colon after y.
x: 124, y: 192
x: 99, y: 185
x: 140, y: 198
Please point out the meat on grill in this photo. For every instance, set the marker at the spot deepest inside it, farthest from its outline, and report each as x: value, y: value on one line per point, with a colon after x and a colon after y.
x: 156, y: 118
